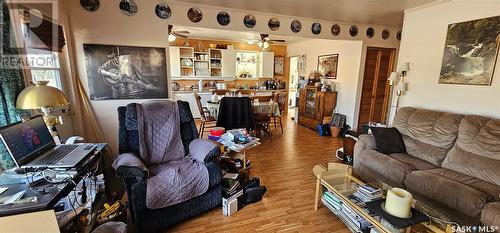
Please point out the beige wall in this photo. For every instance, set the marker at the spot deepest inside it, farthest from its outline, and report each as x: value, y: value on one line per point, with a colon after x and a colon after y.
x: 348, y: 68
x: 108, y: 25
x: 424, y: 34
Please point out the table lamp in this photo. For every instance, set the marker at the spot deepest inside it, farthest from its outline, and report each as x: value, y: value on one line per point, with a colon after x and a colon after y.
x: 43, y: 97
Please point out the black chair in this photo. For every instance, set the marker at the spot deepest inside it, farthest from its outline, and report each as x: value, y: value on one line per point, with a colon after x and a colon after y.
x: 135, y: 179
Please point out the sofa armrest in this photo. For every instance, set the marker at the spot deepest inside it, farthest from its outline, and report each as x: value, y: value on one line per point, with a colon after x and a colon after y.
x: 203, y: 151
x: 128, y: 165
x: 365, y: 142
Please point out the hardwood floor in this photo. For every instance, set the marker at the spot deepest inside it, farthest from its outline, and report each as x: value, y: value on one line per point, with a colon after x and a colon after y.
x: 284, y: 164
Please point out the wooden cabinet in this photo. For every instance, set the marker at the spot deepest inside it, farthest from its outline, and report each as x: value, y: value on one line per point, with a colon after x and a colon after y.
x: 314, y: 105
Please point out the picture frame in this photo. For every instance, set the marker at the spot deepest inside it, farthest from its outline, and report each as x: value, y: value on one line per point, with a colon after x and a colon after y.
x: 328, y: 65
x: 470, y: 52
x: 125, y: 72
x: 279, y: 65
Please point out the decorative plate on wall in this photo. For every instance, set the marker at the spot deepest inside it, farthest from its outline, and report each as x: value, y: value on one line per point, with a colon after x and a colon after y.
x: 90, y: 5
x: 296, y: 26
x: 335, y: 29
x: 128, y: 7
x: 249, y: 21
x: 274, y: 23
x: 316, y: 28
x: 353, y: 31
x: 370, y: 32
x: 194, y: 14
x: 163, y: 11
x: 399, y: 35
x: 223, y: 18
x: 385, y: 34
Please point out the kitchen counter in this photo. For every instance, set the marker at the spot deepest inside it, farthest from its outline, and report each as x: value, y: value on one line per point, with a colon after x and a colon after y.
x: 208, y: 91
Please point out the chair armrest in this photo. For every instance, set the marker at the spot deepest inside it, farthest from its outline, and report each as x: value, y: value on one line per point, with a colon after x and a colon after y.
x: 365, y: 142
x: 203, y: 151
x: 128, y: 165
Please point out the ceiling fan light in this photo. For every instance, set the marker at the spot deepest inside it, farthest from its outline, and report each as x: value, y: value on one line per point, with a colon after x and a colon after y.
x: 260, y: 44
x: 171, y: 38
x: 266, y: 44
x: 250, y: 41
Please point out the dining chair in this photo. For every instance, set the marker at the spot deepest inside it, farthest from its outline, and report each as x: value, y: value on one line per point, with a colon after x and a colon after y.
x: 279, y: 98
x: 263, y: 119
x: 207, y: 120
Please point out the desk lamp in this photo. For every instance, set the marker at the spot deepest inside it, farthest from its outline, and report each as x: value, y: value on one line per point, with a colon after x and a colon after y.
x: 43, y: 97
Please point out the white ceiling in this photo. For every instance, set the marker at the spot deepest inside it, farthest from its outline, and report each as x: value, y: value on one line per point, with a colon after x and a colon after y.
x: 215, y: 34
x: 382, y: 12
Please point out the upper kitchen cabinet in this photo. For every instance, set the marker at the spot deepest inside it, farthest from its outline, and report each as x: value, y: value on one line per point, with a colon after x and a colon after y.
x: 228, y: 63
x: 175, y: 61
x: 266, y: 65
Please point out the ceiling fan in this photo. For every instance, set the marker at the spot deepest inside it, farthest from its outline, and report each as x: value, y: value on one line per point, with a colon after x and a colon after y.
x: 264, y: 41
x: 172, y: 35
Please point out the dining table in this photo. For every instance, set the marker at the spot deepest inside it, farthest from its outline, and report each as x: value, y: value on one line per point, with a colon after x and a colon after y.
x: 271, y: 108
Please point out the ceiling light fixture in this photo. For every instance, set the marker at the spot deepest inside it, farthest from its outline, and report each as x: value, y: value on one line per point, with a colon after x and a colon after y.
x: 171, y: 38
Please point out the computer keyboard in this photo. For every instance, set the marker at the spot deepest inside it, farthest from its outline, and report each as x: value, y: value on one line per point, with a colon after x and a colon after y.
x: 57, y: 154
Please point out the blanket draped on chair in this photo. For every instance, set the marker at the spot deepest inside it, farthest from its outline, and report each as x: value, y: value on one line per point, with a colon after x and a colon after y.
x: 173, y: 178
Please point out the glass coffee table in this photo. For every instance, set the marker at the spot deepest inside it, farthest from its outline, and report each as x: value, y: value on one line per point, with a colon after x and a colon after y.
x: 338, y: 179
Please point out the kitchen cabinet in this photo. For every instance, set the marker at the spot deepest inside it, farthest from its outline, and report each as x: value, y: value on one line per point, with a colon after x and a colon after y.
x: 228, y: 63
x: 314, y: 105
x: 266, y: 65
x: 175, y: 61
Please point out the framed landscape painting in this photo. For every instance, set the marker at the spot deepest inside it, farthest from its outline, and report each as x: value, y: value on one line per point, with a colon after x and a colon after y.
x: 125, y: 72
x: 470, y: 52
x: 327, y: 65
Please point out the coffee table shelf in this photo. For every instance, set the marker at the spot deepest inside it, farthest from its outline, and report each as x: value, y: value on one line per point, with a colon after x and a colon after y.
x: 339, y: 180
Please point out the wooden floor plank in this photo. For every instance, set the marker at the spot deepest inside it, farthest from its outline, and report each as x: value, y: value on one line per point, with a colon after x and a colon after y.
x: 284, y: 164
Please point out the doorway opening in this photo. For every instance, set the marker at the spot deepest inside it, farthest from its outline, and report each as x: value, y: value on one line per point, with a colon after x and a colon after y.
x: 293, y: 93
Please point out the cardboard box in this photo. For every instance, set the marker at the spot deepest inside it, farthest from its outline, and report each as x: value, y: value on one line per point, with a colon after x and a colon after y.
x: 232, y: 204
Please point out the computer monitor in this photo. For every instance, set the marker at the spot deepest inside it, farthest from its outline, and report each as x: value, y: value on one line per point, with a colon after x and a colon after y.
x: 27, y: 140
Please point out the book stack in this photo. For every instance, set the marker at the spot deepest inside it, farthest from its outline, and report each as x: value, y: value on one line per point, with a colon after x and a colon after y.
x: 331, y: 201
x: 230, y: 184
x: 359, y: 221
x: 367, y: 193
x: 216, y: 133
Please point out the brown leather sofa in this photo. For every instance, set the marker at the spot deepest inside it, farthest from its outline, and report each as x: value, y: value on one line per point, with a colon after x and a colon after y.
x: 452, y: 163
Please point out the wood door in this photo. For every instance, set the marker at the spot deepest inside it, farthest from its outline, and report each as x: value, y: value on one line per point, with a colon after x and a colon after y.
x: 375, y: 90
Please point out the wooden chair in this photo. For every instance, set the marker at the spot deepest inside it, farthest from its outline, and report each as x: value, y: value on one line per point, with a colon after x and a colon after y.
x: 262, y: 120
x: 207, y: 120
x: 279, y: 98
x: 220, y: 92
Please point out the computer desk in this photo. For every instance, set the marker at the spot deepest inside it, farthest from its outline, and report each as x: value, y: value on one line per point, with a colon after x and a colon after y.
x: 49, y: 199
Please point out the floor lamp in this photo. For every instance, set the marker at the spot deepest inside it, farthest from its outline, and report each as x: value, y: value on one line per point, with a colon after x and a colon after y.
x: 396, y: 80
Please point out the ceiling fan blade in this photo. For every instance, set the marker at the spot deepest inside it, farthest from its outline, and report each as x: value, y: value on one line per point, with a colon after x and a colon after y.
x: 179, y: 35
x: 170, y: 27
x: 183, y: 32
x: 264, y: 36
x: 280, y: 41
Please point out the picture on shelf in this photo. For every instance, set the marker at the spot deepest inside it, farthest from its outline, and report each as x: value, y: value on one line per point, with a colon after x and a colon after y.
x: 327, y: 65
x: 125, y: 72
x: 470, y: 52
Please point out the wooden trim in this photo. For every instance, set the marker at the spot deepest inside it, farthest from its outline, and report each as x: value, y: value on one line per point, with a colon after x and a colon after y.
x: 388, y: 88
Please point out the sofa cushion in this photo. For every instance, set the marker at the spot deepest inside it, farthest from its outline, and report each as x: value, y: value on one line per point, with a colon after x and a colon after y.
x: 414, y: 162
x: 477, y: 150
x: 447, y: 188
x: 491, y: 215
x: 389, y: 169
x: 428, y: 135
x: 388, y: 140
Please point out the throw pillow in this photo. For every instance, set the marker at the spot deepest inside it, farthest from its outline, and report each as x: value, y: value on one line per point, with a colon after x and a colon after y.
x: 388, y: 140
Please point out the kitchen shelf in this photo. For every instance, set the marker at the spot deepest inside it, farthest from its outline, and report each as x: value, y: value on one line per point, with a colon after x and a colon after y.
x: 214, y: 78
